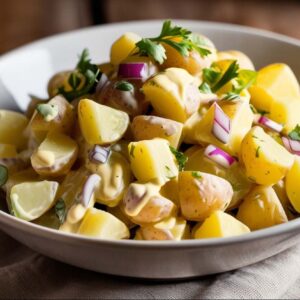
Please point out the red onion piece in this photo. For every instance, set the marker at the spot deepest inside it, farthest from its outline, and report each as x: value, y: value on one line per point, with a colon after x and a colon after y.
x: 134, y: 70
x: 89, y: 188
x: 291, y: 145
x: 270, y: 124
x: 99, y: 154
x: 221, y: 125
x: 219, y: 156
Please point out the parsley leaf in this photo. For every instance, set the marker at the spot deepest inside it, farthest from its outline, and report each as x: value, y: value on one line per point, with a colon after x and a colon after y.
x: 295, y: 133
x: 196, y: 174
x: 124, y: 86
x: 205, y: 88
x: 181, y: 39
x: 3, y: 175
x: 60, y: 210
x: 180, y: 157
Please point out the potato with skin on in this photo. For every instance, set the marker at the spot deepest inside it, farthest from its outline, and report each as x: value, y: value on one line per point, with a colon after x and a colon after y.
x: 143, y: 204
x: 266, y: 162
x: 55, y: 155
x: 243, y: 60
x: 261, y: 208
x: 174, y: 229
x: 150, y: 127
x: 292, y: 184
x: 103, y: 225
x: 152, y: 160
x: 220, y: 224
x: 12, y: 128
x: 200, y: 194
x: 101, y: 124
x: 174, y: 88
x: 123, y: 47
x: 170, y: 190
x: 274, y: 83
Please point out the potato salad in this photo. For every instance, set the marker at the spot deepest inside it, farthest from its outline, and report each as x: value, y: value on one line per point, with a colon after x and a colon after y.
x: 169, y: 140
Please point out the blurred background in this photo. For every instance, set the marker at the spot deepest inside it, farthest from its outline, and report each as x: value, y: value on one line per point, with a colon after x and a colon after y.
x: 22, y: 21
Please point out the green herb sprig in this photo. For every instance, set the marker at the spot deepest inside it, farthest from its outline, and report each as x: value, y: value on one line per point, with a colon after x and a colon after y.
x: 295, y: 133
x: 60, y: 210
x: 180, y: 157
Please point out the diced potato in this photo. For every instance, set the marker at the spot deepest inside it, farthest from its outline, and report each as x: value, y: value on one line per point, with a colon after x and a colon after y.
x: 265, y: 160
x: 152, y: 160
x: 169, y: 229
x: 101, y: 124
x: 220, y: 224
x: 292, y: 184
x: 150, y: 127
x: 116, y: 176
x: 174, y: 88
x: 261, y: 208
x: 63, y: 122
x: 170, y: 190
x: 30, y: 200
x: 200, y: 194
x: 12, y: 128
x: 197, y: 161
x: 143, y: 204
x: 123, y: 47
x: 119, y: 213
x: 8, y: 151
x: 55, y: 155
x: 198, y: 129
x: 274, y: 82
x: 103, y: 225
x: 243, y: 60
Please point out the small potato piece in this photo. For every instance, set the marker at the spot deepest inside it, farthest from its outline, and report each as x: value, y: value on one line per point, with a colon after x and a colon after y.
x: 265, y: 160
x: 200, y: 194
x: 273, y: 83
x: 170, y: 190
x: 152, y: 160
x: 292, y: 184
x: 8, y: 151
x: 243, y: 60
x: 169, y: 229
x: 174, y: 88
x: 123, y: 47
x: 119, y: 213
x: 150, y: 127
x: 30, y: 200
x: 12, y: 127
x: 220, y: 224
x: 101, y: 124
x: 261, y: 209
x: 103, y: 225
x: 55, y: 155
x: 63, y: 122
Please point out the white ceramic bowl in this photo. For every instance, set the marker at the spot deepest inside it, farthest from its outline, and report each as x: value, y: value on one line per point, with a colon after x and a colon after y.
x: 27, y: 69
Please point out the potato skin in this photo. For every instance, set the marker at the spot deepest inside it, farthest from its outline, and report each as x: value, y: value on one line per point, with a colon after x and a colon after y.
x: 292, y: 184
x: 200, y: 196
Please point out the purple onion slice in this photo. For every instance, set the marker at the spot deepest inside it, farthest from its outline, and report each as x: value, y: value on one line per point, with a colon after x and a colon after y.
x: 99, y: 154
x: 219, y: 156
x: 291, y: 145
x: 134, y: 70
x: 89, y: 188
x: 270, y: 124
x: 221, y: 125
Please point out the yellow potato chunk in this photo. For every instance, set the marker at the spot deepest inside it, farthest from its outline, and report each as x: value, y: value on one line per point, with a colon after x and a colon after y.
x: 220, y: 224
x: 7, y: 151
x: 55, y: 155
x: 12, y: 126
x: 103, y: 225
x: 261, y: 208
x: 200, y: 194
x: 152, y: 160
x: 265, y: 160
x: 199, y: 128
x: 150, y: 127
x: 170, y: 190
x: 243, y: 60
x: 292, y: 184
x: 123, y: 47
x: 173, y: 93
x: 101, y: 124
x: 30, y: 200
x: 273, y: 83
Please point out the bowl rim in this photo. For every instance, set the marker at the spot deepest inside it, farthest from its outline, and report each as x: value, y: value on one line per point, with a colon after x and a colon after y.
x: 37, y: 230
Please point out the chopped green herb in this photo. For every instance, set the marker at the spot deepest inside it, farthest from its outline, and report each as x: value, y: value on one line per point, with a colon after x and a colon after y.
x: 295, y: 133
x: 60, y: 210
x: 3, y: 175
x: 257, y: 151
x: 197, y: 174
x: 124, y: 86
x: 131, y: 153
x: 48, y: 111
x: 180, y: 157
x: 168, y: 168
x: 181, y: 39
x: 211, y: 75
x: 205, y: 88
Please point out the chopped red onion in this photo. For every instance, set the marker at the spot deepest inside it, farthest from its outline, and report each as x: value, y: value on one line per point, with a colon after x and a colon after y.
x: 99, y: 154
x: 221, y: 125
x: 291, y: 145
x: 219, y: 156
x: 270, y: 124
x: 89, y: 188
x: 134, y: 70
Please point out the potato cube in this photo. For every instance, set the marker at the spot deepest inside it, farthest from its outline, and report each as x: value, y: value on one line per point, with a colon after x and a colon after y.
x: 292, y: 184
x: 8, y: 151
